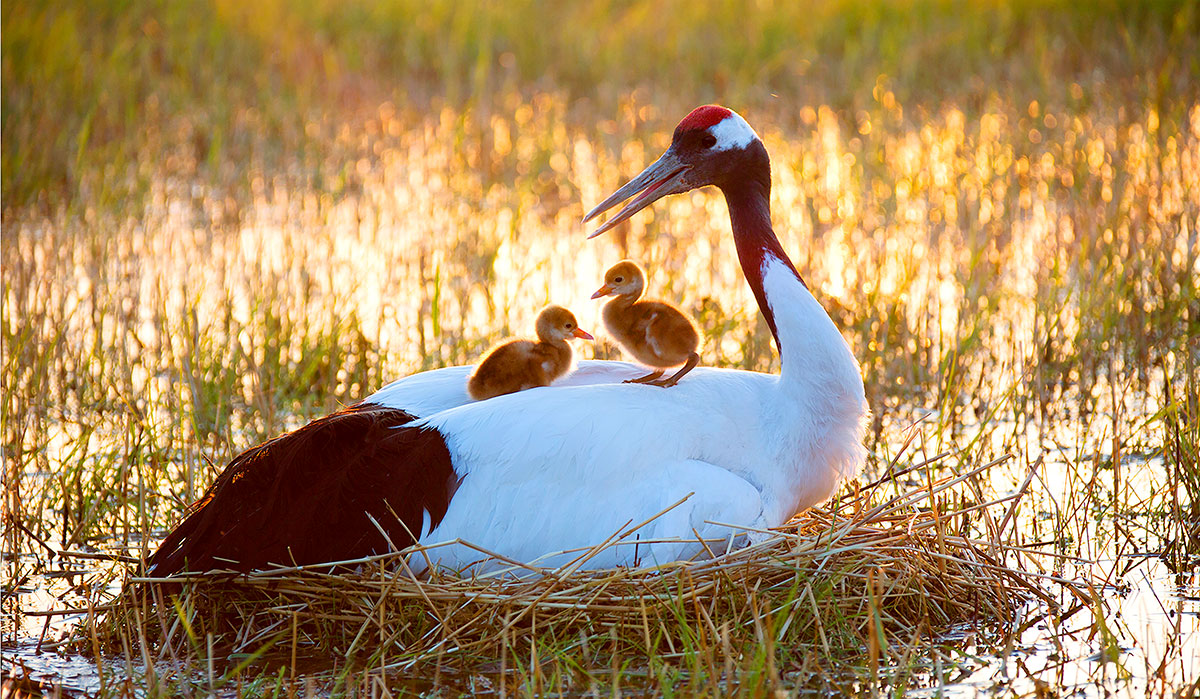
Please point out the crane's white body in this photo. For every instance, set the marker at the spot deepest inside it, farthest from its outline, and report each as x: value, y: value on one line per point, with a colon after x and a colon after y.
x: 548, y: 476
x: 549, y: 472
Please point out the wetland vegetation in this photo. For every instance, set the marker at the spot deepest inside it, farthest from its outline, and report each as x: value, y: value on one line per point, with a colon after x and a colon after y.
x: 223, y: 219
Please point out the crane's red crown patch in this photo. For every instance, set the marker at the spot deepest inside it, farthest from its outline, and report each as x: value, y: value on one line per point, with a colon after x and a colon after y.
x: 703, y: 117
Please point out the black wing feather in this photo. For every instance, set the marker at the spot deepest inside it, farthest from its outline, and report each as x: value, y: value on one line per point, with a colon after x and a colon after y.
x: 309, y: 496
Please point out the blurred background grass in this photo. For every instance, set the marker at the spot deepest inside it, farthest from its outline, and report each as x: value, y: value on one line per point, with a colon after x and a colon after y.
x: 86, y: 83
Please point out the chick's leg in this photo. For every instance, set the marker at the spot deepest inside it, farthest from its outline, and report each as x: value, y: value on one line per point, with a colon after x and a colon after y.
x: 692, y: 360
x: 648, y: 378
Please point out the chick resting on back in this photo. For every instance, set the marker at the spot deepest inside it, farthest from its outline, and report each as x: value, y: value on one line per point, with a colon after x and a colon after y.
x: 520, y: 364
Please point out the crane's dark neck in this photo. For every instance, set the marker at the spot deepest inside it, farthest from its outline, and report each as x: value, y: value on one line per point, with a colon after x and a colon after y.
x: 749, y: 202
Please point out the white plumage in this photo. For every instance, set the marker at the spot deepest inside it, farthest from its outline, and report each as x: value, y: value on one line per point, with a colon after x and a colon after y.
x: 564, y: 467
x: 732, y: 132
x: 431, y: 392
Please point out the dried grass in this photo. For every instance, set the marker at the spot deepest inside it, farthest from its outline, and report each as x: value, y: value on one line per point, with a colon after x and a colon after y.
x: 842, y: 580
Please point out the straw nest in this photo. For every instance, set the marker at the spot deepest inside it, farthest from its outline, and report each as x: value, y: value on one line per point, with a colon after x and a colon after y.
x: 878, y: 568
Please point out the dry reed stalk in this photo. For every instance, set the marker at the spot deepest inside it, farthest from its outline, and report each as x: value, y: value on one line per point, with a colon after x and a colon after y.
x: 863, y: 576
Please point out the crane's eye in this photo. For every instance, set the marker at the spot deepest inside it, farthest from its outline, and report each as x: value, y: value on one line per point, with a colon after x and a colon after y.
x: 619, y: 279
x: 569, y: 326
x: 708, y: 140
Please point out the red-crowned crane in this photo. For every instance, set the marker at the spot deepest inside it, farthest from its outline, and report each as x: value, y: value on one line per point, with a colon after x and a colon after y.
x: 534, y: 474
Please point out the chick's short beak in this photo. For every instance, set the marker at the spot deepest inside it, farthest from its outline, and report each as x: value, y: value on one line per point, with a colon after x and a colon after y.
x: 603, y: 291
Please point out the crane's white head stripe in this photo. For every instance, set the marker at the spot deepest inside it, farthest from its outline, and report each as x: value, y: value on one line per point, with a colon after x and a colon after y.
x: 732, y: 132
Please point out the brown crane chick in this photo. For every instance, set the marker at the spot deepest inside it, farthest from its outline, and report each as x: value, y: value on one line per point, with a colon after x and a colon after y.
x: 656, y: 333
x: 520, y: 364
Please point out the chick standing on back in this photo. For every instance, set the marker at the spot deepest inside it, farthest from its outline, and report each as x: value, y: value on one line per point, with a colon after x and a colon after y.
x: 656, y: 333
x: 520, y: 364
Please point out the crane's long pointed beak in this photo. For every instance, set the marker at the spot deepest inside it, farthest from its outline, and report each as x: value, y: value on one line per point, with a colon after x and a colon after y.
x: 663, y: 177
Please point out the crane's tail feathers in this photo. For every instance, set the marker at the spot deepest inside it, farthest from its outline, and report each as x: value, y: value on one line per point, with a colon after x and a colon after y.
x: 355, y: 483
